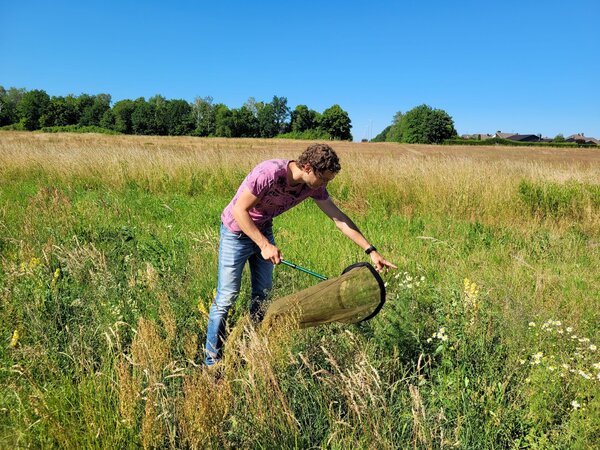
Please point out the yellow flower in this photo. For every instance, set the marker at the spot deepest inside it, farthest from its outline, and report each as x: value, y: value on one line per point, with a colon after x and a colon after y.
x: 55, y: 278
x: 33, y: 263
x: 14, y: 340
x: 471, y: 292
x: 202, y: 308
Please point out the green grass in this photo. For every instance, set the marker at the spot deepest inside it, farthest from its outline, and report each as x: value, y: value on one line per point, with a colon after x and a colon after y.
x: 107, y: 285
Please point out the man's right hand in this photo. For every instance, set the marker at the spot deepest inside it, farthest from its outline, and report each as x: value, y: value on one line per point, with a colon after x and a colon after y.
x: 271, y: 253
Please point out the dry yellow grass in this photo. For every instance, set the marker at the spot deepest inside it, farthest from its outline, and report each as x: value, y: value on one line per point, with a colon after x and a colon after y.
x: 475, y: 183
x: 65, y: 153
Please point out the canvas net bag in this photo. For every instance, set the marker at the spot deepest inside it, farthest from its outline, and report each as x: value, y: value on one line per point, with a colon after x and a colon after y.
x: 356, y: 295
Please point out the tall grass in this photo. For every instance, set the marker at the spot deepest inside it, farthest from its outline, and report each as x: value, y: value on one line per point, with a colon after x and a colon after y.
x: 107, y: 267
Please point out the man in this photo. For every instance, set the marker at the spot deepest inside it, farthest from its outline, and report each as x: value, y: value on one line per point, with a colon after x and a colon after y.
x: 270, y: 189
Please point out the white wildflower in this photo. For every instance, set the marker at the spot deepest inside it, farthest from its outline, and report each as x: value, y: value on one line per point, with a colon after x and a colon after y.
x: 441, y: 334
x: 532, y: 324
x: 575, y: 405
x: 537, y: 358
x: 593, y: 347
x: 585, y: 375
x: 569, y: 329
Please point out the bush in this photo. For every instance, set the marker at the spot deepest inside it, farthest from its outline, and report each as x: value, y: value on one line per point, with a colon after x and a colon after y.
x: 14, y: 127
x: 78, y: 129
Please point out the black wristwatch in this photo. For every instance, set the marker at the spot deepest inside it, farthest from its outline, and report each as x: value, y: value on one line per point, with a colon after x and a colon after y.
x: 370, y: 249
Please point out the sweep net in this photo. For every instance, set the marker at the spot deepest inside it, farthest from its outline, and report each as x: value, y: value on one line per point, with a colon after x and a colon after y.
x: 356, y: 295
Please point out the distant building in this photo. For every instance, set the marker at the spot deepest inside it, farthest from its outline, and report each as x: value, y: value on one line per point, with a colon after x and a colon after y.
x: 578, y: 138
x: 519, y: 137
x: 477, y: 136
x: 525, y: 137
x: 581, y: 139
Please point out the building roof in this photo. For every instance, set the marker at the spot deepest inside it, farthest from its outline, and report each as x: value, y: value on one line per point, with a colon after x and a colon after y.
x: 524, y: 137
x: 581, y: 138
x: 477, y: 136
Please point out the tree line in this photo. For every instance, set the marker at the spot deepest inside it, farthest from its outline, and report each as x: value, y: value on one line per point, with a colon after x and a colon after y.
x: 35, y: 109
x: 421, y: 125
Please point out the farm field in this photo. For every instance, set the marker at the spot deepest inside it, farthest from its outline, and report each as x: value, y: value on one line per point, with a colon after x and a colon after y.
x: 489, y: 338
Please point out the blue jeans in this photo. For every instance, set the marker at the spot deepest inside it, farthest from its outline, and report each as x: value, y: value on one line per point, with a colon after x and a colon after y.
x: 234, y: 250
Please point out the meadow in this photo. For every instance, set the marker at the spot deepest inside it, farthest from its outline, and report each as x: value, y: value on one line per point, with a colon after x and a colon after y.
x: 489, y: 337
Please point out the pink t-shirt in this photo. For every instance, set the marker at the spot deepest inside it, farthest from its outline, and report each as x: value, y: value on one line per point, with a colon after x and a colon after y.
x: 268, y: 182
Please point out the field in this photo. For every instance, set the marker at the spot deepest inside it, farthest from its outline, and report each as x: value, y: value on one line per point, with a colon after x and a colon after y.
x: 489, y: 337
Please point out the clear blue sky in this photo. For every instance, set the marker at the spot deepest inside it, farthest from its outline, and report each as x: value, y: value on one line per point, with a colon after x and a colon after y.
x: 515, y: 66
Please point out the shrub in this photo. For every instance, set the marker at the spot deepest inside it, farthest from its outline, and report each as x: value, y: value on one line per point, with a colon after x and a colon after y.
x: 20, y: 126
x: 78, y: 129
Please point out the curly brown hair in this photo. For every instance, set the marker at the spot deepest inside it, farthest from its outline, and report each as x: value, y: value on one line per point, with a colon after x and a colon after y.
x: 321, y: 157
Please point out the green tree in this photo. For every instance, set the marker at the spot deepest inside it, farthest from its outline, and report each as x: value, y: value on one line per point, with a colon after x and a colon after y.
x: 61, y: 111
x: 394, y: 133
x: 204, y: 114
x: 281, y: 113
x: 303, y: 119
x: 143, y: 118
x: 253, y: 106
x: 559, y: 138
x: 161, y: 115
x: 32, y: 107
x: 223, y: 121
x: 177, y: 117
x: 336, y: 122
x: 9, y: 99
x: 108, y: 120
x: 383, y: 136
x: 122, y: 112
x: 91, y: 108
x: 84, y: 104
x: 425, y: 125
x: 267, y: 125
x: 244, y: 123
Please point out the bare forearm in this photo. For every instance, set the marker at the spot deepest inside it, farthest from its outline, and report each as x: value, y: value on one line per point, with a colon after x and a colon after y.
x: 350, y: 230
x: 248, y: 227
